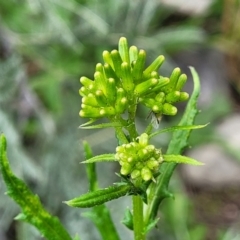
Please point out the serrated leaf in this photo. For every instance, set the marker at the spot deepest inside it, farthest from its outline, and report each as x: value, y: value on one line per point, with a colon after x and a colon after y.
x: 33, y: 211
x: 102, y: 125
x: 99, y: 197
x: 181, y: 159
x: 108, y: 157
x: 175, y: 128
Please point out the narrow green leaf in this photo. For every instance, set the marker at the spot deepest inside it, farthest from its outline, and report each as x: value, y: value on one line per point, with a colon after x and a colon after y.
x: 176, y: 146
x: 108, y: 157
x: 32, y: 210
x: 76, y: 237
x: 151, y: 225
x: 90, y: 168
x: 100, y: 216
x: 87, y: 123
x: 99, y: 197
x: 181, y: 159
x: 175, y: 128
x: 128, y: 219
x: 102, y: 125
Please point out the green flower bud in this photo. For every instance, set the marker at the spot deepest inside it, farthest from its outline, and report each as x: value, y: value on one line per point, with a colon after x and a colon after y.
x: 154, y: 74
x: 121, y: 101
x: 152, y: 164
x: 145, y: 87
x: 157, y: 153
x: 107, y: 58
x: 127, y: 81
x: 181, y: 82
x: 173, y: 81
x: 121, y: 162
x: 108, y: 111
x: 101, y: 99
x: 86, y: 81
x: 90, y: 100
x: 163, y: 81
x: 157, y: 108
x: 148, y: 102
x: 135, y: 174
x: 117, y: 61
x: 130, y: 159
x: 139, y: 165
x: 183, y: 96
x: 134, y: 145
x: 175, y: 76
x: 143, y: 139
x: 90, y: 112
x: 123, y: 157
x: 92, y: 88
x: 146, y: 174
x: 125, y: 169
x: 100, y: 81
x: 150, y: 148
x: 83, y: 91
x: 121, y: 148
x: 99, y: 68
x: 109, y: 72
x: 130, y: 148
x: 123, y: 49
x: 142, y: 153
x: 160, y: 159
x: 137, y: 71
x: 111, y: 91
x: 173, y: 97
x: 133, y: 54
x: 154, y: 66
x: 160, y: 97
x: 169, y: 109
x: 102, y: 112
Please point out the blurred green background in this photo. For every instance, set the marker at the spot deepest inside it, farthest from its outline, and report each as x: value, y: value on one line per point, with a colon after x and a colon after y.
x: 45, y: 46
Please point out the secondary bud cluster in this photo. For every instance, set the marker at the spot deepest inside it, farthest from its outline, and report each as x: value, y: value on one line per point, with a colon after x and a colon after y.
x: 139, y: 159
x: 161, y: 98
x: 123, y: 80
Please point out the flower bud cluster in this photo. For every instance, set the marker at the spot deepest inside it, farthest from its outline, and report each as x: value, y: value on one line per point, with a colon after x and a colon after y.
x: 139, y: 159
x: 161, y: 98
x: 123, y: 80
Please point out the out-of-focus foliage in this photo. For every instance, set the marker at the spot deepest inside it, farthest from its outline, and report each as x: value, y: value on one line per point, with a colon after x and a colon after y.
x: 45, y: 46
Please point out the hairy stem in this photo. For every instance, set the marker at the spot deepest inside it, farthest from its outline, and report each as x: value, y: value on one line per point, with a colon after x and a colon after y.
x: 138, y: 224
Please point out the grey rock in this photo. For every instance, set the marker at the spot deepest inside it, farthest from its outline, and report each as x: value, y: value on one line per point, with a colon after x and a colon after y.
x: 189, y: 7
x: 220, y: 168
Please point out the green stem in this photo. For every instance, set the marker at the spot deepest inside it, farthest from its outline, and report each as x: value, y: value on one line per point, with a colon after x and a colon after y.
x: 131, y: 119
x: 132, y: 131
x: 119, y: 130
x: 138, y: 224
x: 121, y: 136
